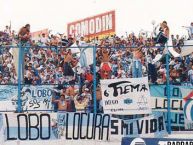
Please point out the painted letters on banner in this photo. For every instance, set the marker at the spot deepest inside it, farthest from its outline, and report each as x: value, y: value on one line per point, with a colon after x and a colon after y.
x: 32, y: 97
x: 159, y: 104
x: 69, y: 126
x: 8, y: 95
x: 37, y: 97
x: 150, y: 126
x: 103, y: 24
x: 126, y: 96
x: 180, y: 106
x: 74, y: 126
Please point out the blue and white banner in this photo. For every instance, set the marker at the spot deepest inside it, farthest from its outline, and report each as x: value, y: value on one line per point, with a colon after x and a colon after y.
x: 126, y: 96
x: 8, y: 93
x: 37, y: 97
x: 156, y: 141
x: 32, y: 97
x: 75, y: 126
x: 150, y: 126
x: 49, y: 126
x: 188, y: 107
x: 159, y: 104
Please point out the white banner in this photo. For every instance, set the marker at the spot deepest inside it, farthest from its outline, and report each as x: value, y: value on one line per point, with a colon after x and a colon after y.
x: 187, y: 50
x: 187, y: 94
x: 149, y: 126
x: 32, y: 97
x: 126, y: 96
x: 77, y: 126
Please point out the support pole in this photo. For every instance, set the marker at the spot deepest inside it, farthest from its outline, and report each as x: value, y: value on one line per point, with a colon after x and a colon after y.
x: 19, y: 102
x: 168, y: 91
x: 94, y: 79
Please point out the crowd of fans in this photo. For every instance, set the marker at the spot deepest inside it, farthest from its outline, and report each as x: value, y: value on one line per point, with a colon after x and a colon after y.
x: 51, y: 60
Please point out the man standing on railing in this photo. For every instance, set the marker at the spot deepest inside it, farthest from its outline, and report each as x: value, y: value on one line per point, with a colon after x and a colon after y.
x: 24, y: 41
x: 190, y: 30
x: 24, y: 34
x: 163, y: 35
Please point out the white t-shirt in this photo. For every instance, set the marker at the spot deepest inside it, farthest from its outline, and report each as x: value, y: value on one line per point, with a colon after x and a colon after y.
x: 44, y: 40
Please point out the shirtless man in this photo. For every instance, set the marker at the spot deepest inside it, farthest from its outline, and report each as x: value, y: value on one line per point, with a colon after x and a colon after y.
x: 165, y: 29
x: 163, y: 36
x: 24, y: 39
x: 68, y: 59
x: 105, y: 65
x: 24, y: 33
x: 62, y: 103
x: 137, y: 66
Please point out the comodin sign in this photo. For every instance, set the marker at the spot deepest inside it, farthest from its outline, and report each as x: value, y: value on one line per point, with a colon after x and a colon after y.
x: 103, y: 24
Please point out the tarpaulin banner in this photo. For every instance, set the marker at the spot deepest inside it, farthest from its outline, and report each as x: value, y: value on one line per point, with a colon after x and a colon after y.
x: 37, y: 34
x: 103, y: 24
x: 126, y: 96
x: 156, y: 141
x: 32, y: 97
x: 150, y: 126
x: 159, y: 104
x: 75, y: 126
x: 37, y: 97
x: 187, y: 49
x: 8, y: 93
x: 48, y: 126
x: 187, y: 94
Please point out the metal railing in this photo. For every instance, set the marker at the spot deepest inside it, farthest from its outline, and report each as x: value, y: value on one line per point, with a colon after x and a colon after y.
x: 19, y: 79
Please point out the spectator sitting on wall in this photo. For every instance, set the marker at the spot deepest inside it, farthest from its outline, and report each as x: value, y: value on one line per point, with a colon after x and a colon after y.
x: 24, y: 34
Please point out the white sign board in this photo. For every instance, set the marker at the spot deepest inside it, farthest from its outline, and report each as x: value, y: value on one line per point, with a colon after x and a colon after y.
x: 126, y: 96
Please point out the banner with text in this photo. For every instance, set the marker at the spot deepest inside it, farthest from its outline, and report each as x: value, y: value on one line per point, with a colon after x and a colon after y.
x: 150, y: 126
x: 75, y: 126
x: 159, y: 104
x: 187, y: 94
x: 126, y: 96
x: 103, y: 24
x: 32, y: 97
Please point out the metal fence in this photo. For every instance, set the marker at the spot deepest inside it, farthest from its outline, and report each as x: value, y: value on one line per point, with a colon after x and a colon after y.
x: 16, y: 88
